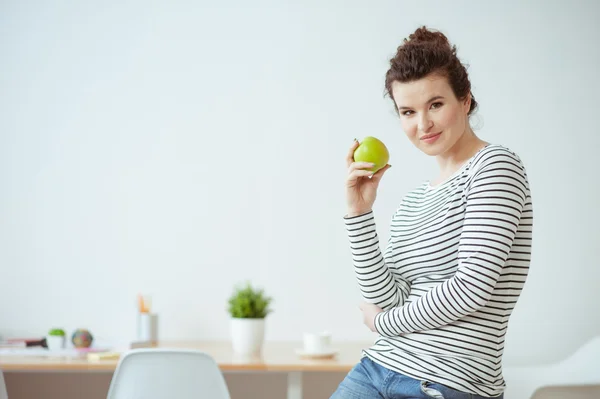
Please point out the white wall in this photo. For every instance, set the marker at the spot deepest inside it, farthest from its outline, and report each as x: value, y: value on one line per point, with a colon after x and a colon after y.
x: 179, y: 148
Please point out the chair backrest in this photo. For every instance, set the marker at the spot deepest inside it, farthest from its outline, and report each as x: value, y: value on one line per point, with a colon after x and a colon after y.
x: 580, y: 369
x: 157, y: 373
x: 3, y: 394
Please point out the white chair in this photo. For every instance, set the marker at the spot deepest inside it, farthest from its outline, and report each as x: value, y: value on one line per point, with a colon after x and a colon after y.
x: 579, y: 369
x: 157, y: 373
x: 3, y: 394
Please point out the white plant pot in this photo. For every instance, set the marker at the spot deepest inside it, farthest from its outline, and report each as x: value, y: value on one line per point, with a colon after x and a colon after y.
x: 247, y: 335
x: 55, y: 342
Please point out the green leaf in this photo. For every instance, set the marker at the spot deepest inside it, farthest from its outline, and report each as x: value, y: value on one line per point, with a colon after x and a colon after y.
x: 57, y: 332
x: 249, y: 303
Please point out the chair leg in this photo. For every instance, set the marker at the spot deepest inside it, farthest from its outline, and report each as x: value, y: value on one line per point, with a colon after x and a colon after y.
x: 294, y: 385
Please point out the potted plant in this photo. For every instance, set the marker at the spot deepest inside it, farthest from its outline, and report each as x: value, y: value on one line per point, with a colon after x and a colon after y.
x: 248, y: 308
x: 56, y: 339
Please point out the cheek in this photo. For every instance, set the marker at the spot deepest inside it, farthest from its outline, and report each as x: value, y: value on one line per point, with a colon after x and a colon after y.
x: 409, y: 127
x: 448, y: 118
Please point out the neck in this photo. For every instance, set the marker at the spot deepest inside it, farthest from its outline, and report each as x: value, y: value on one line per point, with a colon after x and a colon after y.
x: 455, y: 157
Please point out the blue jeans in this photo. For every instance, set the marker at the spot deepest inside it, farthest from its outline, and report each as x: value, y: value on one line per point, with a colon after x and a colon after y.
x: 370, y: 380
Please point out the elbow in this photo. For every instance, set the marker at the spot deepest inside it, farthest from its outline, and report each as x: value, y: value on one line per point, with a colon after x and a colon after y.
x: 478, y: 304
x: 474, y: 297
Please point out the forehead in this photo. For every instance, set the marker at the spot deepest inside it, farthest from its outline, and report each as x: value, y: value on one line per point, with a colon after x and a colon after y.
x: 420, y: 91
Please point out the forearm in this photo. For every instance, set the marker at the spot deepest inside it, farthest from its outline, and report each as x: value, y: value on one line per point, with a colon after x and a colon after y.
x: 375, y: 280
x: 454, y: 299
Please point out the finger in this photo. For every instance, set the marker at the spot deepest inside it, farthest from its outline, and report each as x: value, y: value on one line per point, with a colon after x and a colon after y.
x: 377, y: 176
x: 355, y: 175
x: 350, y: 156
x: 360, y: 165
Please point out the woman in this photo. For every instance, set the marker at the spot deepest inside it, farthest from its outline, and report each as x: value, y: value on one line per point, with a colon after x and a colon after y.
x: 441, y: 293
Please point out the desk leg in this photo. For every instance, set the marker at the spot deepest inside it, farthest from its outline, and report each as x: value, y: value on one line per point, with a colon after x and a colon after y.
x: 294, y: 385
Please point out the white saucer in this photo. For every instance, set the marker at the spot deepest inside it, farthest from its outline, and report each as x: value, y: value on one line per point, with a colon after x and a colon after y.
x: 317, y: 355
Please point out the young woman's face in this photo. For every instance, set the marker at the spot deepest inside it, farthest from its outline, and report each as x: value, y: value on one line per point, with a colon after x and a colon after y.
x: 431, y: 115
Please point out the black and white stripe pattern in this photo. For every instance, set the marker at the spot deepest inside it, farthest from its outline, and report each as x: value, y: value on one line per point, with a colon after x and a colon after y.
x: 451, y: 274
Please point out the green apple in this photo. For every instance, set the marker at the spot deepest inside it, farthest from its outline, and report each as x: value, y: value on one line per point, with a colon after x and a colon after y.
x: 374, y: 151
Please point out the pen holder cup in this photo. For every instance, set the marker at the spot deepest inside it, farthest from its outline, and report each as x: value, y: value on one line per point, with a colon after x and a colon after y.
x: 147, y: 327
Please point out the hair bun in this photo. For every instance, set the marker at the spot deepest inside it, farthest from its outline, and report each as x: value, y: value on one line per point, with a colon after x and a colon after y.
x: 424, y: 35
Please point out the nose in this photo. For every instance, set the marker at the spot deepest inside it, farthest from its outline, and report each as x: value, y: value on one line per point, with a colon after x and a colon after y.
x: 425, y: 123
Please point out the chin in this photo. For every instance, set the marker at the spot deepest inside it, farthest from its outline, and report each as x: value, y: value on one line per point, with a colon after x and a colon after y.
x: 431, y: 150
x: 438, y: 148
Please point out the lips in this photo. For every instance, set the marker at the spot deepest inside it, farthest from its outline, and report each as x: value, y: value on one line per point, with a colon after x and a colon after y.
x: 429, y: 136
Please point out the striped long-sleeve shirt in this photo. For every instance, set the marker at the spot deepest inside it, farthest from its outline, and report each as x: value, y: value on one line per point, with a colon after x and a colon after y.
x: 453, y: 268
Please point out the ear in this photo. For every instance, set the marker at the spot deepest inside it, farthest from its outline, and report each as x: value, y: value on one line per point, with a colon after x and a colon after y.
x: 467, y: 103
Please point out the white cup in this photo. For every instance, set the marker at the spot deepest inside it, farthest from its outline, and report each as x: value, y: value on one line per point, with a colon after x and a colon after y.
x: 147, y: 327
x: 316, y: 343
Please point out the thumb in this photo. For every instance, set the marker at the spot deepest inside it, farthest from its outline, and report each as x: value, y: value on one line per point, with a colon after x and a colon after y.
x: 377, y: 176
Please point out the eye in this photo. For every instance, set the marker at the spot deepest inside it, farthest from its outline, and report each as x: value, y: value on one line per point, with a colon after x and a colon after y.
x: 407, y: 113
x: 436, y: 105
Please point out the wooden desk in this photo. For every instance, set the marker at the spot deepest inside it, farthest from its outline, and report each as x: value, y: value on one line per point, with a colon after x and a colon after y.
x: 276, y: 357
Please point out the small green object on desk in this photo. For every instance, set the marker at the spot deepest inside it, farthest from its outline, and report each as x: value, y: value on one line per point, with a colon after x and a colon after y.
x: 57, y: 332
x: 82, y: 338
x: 247, y: 302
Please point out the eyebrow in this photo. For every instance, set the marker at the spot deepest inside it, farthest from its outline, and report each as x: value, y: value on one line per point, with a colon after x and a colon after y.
x: 430, y: 100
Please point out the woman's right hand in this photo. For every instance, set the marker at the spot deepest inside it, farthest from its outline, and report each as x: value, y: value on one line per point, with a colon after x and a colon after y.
x: 361, y: 184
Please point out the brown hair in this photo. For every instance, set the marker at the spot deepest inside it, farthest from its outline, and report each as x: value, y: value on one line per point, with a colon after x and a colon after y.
x: 425, y: 52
